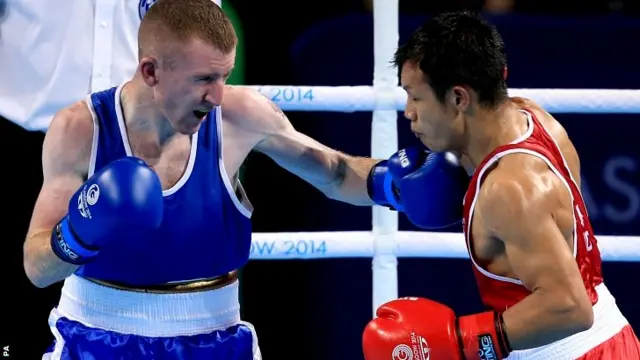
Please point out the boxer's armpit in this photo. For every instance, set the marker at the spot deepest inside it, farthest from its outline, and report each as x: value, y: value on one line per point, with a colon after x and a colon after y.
x: 520, y: 211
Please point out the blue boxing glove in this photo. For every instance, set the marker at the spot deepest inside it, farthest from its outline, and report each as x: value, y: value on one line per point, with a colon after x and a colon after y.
x: 382, y: 185
x: 383, y: 190
x: 431, y: 188
x: 426, y: 186
x: 124, y: 196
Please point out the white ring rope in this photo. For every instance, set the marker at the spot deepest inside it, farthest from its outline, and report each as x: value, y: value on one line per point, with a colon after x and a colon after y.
x: 363, y: 98
x: 416, y: 244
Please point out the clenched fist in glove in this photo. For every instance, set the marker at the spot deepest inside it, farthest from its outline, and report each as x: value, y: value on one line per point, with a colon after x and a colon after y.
x: 421, y: 329
x: 427, y: 186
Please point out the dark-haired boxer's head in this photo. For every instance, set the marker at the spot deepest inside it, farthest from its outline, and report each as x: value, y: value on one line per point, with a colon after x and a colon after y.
x: 450, y: 66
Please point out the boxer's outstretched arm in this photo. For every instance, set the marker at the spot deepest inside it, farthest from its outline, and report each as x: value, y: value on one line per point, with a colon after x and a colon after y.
x: 338, y: 175
x: 65, y: 156
x: 522, y: 209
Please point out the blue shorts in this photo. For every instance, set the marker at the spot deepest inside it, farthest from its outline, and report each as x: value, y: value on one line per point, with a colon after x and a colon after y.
x: 97, y: 322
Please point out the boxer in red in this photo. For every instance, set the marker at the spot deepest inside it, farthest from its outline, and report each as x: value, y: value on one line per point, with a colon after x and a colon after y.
x: 531, y: 244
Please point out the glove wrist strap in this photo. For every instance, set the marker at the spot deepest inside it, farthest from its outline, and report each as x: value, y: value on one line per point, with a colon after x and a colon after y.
x: 68, y: 247
x: 380, y: 187
x: 483, y: 336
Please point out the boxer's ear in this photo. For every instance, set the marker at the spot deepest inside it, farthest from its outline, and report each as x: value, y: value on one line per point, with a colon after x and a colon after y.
x: 459, y: 97
x: 148, y: 68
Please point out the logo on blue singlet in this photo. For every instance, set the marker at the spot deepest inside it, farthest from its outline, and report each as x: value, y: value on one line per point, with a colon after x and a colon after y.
x: 144, y: 6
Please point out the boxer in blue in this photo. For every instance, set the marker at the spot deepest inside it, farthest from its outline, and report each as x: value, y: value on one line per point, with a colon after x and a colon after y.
x: 141, y: 212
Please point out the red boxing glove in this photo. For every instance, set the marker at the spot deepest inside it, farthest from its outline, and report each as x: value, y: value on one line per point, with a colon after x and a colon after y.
x: 421, y: 329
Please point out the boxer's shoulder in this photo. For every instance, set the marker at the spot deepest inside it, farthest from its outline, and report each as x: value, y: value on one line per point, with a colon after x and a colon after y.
x: 74, y: 120
x: 538, y: 111
x: 520, y: 187
x: 524, y: 102
x: 552, y: 125
x: 239, y: 103
x: 250, y: 109
x: 68, y: 141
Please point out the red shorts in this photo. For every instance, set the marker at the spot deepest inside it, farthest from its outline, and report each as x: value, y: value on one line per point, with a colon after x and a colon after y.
x: 622, y: 346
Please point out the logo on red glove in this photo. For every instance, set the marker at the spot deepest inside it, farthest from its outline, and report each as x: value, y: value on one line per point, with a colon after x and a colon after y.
x: 402, y: 352
x: 419, y: 349
x: 424, y: 348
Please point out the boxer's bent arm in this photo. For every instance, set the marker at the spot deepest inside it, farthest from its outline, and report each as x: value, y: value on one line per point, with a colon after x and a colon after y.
x: 65, y: 156
x: 519, y: 210
x: 337, y: 175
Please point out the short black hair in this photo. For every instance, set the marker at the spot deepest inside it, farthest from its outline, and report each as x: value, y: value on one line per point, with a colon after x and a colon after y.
x: 459, y: 48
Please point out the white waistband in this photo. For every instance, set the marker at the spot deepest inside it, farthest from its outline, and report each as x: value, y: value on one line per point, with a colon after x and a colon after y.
x: 608, y: 321
x: 149, y: 314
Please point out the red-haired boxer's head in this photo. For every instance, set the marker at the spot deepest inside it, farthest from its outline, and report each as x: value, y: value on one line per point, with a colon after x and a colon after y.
x: 186, y: 51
